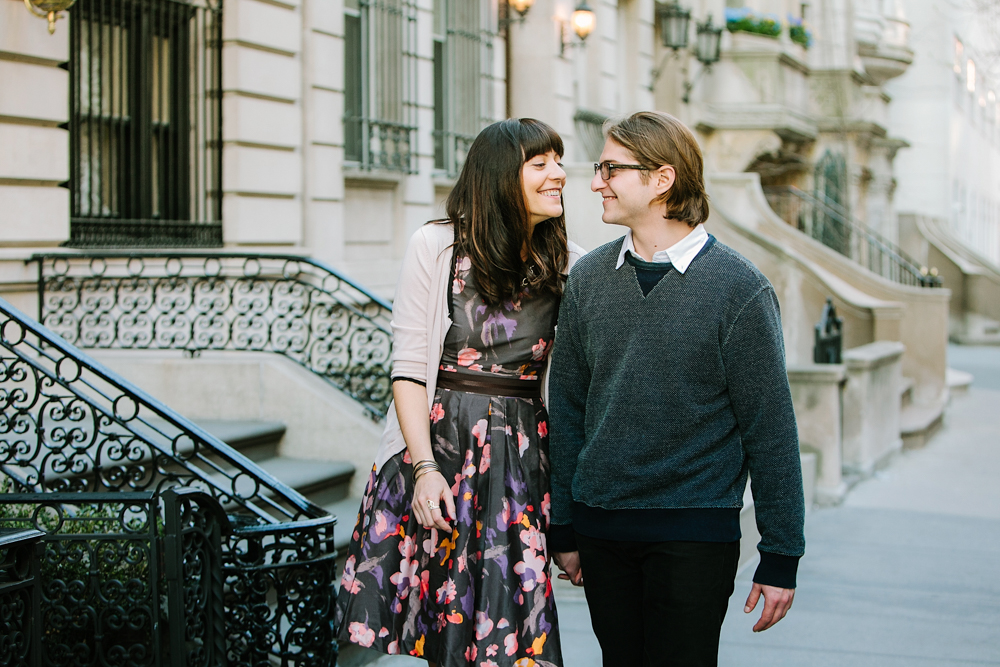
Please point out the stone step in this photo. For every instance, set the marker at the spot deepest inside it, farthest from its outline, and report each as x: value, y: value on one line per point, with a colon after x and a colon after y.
x: 958, y: 381
x: 256, y: 440
x: 346, y: 511
x: 917, y: 423
x: 322, y: 482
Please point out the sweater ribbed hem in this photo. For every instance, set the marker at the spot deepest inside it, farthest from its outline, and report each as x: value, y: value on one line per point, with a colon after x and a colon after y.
x: 695, y: 524
x: 776, y: 570
x: 561, y: 538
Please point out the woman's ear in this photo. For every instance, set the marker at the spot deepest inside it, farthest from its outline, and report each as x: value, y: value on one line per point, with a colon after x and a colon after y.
x: 664, y: 178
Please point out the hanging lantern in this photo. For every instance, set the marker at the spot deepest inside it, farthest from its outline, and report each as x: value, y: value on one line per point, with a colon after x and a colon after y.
x: 709, y: 42
x: 583, y: 20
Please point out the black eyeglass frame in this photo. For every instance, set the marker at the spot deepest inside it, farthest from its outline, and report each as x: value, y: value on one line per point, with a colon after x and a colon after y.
x: 606, y: 168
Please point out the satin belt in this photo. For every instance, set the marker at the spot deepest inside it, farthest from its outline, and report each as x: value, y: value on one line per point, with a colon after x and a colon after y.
x: 493, y: 386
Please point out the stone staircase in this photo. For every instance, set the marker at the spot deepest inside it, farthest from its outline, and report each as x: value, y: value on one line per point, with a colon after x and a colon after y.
x: 325, y: 483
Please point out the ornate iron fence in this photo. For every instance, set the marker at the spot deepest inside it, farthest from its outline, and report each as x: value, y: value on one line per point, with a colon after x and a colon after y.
x: 18, y: 596
x: 163, y: 545
x: 294, y: 306
x: 834, y: 227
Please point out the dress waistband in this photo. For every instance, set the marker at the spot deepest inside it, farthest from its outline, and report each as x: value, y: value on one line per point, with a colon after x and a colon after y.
x: 493, y: 386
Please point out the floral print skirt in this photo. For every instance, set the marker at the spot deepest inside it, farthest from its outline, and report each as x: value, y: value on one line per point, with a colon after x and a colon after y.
x: 481, y: 595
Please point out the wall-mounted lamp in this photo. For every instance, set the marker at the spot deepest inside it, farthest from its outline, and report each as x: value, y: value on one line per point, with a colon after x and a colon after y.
x: 519, y: 6
x: 674, y: 22
x: 48, y: 9
x: 582, y: 22
x: 707, y: 51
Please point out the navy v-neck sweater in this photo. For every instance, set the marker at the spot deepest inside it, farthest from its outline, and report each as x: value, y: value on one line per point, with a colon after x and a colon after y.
x: 663, y: 397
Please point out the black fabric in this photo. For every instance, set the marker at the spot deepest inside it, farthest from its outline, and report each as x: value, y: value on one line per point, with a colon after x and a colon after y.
x: 648, y: 274
x: 654, y: 604
x: 688, y: 524
x: 670, y: 400
x: 776, y: 570
x: 561, y: 538
x: 402, y: 378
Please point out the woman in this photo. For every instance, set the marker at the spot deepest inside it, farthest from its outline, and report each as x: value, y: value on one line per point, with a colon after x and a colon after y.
x: 448, y: 559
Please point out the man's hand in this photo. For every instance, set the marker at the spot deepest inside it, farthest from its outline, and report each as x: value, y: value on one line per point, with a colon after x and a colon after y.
x: 777, y: 602
x: 569, y: 563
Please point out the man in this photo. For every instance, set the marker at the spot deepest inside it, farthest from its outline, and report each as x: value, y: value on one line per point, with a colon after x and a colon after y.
x: 667, y: 387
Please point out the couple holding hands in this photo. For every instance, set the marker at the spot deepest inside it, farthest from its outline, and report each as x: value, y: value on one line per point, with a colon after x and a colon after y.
x: 618, y: 447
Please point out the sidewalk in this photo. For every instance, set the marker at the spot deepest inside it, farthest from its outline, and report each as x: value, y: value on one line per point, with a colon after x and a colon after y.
x: 905, y: 573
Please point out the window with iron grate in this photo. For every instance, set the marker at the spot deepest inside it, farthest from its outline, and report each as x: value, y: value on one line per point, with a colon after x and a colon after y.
x: 145, y: 123
x: 380, y: 84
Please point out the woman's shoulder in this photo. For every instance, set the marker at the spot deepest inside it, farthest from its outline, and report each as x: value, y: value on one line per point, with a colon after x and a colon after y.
x: 433, y: 237
x: 575, y: 253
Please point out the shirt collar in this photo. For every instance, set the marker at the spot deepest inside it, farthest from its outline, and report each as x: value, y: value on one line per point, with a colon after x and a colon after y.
x: 680, y: 254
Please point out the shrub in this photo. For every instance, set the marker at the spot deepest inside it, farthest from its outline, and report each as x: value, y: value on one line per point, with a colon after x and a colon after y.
x: 746, y: 20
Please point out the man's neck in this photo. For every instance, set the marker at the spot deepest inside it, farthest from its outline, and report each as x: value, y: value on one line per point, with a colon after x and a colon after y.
x: 651, y: 236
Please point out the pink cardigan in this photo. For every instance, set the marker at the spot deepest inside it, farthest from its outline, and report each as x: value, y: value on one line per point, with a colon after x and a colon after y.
x: 420, y: 320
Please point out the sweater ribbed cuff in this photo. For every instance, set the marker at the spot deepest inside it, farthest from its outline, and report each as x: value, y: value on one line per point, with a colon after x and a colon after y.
x: 776, y: 570
x: 561, y: 539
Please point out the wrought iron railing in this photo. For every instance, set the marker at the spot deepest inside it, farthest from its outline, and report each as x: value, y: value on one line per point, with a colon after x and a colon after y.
x: 293, y: 306
x: 833, y: 226
x: 147, y: 514
x: 18, y: 595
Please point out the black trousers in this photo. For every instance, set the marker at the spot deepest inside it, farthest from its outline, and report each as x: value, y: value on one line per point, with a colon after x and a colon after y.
x: 658, y: 603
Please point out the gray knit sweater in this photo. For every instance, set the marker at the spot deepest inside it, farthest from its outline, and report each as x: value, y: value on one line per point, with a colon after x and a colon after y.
x: 667, y: 401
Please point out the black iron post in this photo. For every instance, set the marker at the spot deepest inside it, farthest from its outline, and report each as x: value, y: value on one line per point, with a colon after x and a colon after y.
x: 829, y: 336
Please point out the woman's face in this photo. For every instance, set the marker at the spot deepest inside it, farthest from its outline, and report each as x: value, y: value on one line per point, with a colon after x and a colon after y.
x: 543, y: 179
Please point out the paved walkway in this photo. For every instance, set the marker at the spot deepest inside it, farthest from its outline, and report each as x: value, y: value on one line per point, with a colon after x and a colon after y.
x: 905, y: 573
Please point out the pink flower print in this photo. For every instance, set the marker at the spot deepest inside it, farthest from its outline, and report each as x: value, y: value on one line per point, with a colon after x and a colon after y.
x: 484, y: 626
x: 496, y: 368
x: 504, y: 513
x: 503, y: 623
x: 489, y: 663
x: 470, y: 653
x: 446, y: 594
x: 491, y: 650
x: 480, y: 430
x: 533, y: 538
x: 362, y: 635
x: 476, y: 367
x: 349, y: 580
x: 469, y: 469
x: 437, y: 413
x: 425, y: 585
x: 531, y: 570
x: 384, y: 632
x: 392, y: 648
x: 457, y: 286
x: 467, y: 355
x: 539, y: 351
x: 407, y: 577
x: 522, y: 443
x: 543, y: 429
x: 463, y: 264
x: 546, y: 507
x: 408, y: 547
x: 509, y: 642
x: 484, y: 462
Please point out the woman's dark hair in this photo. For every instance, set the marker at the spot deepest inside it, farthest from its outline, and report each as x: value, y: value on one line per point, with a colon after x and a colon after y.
x: 490, y: 214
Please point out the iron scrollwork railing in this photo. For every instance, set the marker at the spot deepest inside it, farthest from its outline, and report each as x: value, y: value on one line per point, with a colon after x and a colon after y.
x: 830, y: 224
x: 18, y: 596
x: 119, y: 482
x: 293, y: 306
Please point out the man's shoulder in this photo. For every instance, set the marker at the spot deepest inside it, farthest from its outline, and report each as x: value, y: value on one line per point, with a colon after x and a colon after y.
x: 738, y: 271
x: 597, y: 261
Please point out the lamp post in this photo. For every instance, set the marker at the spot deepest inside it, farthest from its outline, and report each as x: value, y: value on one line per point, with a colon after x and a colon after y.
x: 48, y: 9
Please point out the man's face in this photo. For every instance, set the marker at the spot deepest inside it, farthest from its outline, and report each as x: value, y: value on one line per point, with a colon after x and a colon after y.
x: 626, y: 197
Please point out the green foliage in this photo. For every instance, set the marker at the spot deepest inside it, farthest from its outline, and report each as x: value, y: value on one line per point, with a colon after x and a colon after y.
x: 800, y: 34
x: 745, y: 20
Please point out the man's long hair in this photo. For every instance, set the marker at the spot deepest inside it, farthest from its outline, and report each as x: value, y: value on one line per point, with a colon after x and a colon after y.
x: 490, y: 214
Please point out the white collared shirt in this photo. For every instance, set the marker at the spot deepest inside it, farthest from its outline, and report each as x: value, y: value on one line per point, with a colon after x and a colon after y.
x: 680, y: 254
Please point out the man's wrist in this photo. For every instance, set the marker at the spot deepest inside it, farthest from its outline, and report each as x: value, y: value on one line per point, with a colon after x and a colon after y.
x: 561, y: 538
x: 776, y: 570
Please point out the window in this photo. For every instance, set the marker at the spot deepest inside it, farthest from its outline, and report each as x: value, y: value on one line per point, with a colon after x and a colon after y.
x: 145, y: 123
x: 463, y: 78
x: 380, y: 84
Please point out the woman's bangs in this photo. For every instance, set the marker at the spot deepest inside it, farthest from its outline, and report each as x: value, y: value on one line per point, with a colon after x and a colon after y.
x: 537, y: 138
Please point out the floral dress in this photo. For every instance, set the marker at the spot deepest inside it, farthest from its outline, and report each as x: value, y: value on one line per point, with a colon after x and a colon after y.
x: 481, y: 595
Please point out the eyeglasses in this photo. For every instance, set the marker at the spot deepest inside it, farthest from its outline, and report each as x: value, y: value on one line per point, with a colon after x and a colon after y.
x: 607, y: 169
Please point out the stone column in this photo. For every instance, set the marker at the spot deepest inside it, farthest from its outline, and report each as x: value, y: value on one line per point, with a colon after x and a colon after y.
x: 872, y: 405
x: 817, y: 391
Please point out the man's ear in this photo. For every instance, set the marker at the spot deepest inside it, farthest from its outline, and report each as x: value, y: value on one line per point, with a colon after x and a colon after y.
x: 663, y: 178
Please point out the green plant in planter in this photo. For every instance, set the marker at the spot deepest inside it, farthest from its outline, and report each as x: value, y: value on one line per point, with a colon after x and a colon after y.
x: 799, y: 33
x: 746, y: 20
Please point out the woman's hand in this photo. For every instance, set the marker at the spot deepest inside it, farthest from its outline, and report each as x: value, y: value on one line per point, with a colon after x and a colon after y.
x: 431, y: 499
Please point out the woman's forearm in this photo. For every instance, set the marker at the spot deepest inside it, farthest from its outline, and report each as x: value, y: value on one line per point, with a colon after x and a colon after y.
x: 414, y: 418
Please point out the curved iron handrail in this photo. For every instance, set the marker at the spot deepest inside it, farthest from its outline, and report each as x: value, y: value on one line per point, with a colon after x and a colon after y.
x: 68, y: 423
x: 198, y: 301
x: 831, y: 224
